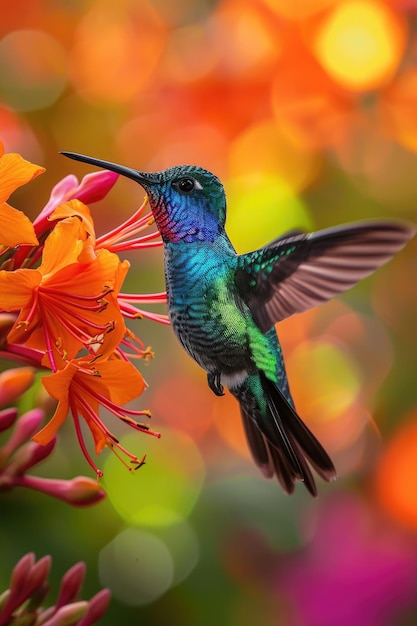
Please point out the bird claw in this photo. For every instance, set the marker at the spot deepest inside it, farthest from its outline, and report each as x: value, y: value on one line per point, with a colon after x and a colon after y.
x: 215, y: 384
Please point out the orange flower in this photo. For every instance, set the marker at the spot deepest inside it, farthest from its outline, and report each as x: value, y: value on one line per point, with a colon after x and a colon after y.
x: 75, y: 208
x: 81, y: 388
x: 16, y: 228
x: 64, y: 310
x: 70, y: 301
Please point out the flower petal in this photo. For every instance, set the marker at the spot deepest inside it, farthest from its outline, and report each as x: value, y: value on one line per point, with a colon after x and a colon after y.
x: 48, y: 432
x: 15, y: 172
x: 101, y: 440
x: 76, y: 303
x: 17, y: 287
x: 75, y: 208
x: 15, y: 227
x: 86, y: 278
x: 57, y: 385
x: 119, y: 381
x: 62, y: 247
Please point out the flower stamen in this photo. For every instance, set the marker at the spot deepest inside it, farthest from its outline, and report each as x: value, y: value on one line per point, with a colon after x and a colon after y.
x: 80, y: 438
x: 131, y: 312
x: 74, y: 296
x: 131, y: 226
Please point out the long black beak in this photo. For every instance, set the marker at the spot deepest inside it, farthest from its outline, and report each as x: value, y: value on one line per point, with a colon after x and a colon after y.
x: 143, y: 178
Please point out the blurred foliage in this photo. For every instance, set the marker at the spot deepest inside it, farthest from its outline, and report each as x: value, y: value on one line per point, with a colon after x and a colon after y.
x: 307, y: 111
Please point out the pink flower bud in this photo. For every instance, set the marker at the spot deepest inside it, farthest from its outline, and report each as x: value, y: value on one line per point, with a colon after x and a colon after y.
x: 38, y: 576
x: 21, y: 571
x: 96, y: 608
x: 95, y: 186
x: 18, y: 583
x: 79, y: 491
x: 29, y: 455
x: 71, y: 584
x: 60, y: 193
x: 7, y: 418
x: 68, y: 615
x: 26, y: 426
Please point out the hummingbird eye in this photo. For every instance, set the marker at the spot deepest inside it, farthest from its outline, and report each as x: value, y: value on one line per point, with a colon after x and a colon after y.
x: 186, y: 184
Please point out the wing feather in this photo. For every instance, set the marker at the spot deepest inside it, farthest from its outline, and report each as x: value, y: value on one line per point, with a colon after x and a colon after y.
x: 296, y: 272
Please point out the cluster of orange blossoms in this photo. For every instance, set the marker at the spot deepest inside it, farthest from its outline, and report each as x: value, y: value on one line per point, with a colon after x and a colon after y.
x: 61, y: 307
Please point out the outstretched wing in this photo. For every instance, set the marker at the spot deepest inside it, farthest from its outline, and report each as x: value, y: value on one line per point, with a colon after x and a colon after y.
x: 298, y: 271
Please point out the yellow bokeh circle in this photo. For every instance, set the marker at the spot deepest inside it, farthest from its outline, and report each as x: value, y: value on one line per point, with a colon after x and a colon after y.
x: 360, y: 44
x: 165, y: 489
x: 261, y: 207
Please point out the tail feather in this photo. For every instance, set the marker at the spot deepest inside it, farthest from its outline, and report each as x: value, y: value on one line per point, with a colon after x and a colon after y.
x: 281, y: 444
x: 270, y: 459
x: 283, y: 470
x: 308, y: 478
x: 258, y: 445
x: 310, y: 447
x: 278, y: 435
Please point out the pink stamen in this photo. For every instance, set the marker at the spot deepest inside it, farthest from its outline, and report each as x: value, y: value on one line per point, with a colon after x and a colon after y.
x: 83, y: 337
x: 87, y: 411
x: 78, y: 334
x: 134, y: 339
x: 113, y: 442
x: 131, y: 225
x: 118, y: 352
x: 130, y: 228
x: 48, y: 341
x: 136, y: 349
x: 133, y: 458
x: 134, y: 218
x: 80, y: 437
x: 132, y: 312
x: 32, y: 311
x: 134, y: 246
x: 143, y: 428
x: 73, y: 296
x: 137, y: 352
x: 122, y: 413
x: 147, y: 298
x: 67, y: 324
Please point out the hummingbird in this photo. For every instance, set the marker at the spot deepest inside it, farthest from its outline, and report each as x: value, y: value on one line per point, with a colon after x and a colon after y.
x: 223, y: 306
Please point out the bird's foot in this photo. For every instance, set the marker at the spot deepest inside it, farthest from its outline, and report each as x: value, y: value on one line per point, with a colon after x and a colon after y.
x: 214, y: 382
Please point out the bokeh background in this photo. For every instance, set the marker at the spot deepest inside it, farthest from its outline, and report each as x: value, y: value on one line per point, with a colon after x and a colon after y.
x: 308, y: 112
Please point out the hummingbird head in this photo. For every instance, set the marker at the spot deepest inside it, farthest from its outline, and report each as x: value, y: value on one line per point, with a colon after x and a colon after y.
x: 187, y: 202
